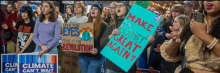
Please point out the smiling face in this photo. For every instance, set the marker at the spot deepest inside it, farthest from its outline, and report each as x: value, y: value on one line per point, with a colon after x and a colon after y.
x: 121, y: 10
x: 46, y: 8
x: 77, y: 9
x: 94, y: 12
x: 212, y: 7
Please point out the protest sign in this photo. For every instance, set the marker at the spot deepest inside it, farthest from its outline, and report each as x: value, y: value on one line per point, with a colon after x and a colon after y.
x: 31, y: 63
x: 78, y: 37
x: 125, y: 48
x: 70, y: 62
x: 143, y: 4
x: 5, y: 2
x: 9, y: 63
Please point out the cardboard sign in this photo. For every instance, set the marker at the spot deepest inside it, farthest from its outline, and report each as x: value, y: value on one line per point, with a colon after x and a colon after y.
x: 70, y: 63
x: 9, y: 63
x: 78, y: 37
x: 143, y: 4
x: 125, y: 48
x: 30, y: 63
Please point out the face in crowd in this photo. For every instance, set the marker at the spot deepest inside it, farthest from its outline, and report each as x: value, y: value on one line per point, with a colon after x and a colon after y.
x: 107, y: 10
x: 212, y: 7
x: 68, y: 10
x: 46, y: 9
x: 168, y: 14
x: 121, y: 10
x: 38, y: 9
x: 16, y: 5
x: 112, y: 9
x: 77, y: 9
x: 187, y: 8
x: 20, y: 4
x: 9, y: 7
x: 94, y: 12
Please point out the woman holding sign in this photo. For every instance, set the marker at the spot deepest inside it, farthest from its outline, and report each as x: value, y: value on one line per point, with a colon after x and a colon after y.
x: 92, y: 62
x: 198, y: 42
x: 47, y: 30
x: 121, y: 11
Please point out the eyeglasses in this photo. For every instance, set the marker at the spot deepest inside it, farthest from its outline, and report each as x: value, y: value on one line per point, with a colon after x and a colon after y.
x: 119, y: 6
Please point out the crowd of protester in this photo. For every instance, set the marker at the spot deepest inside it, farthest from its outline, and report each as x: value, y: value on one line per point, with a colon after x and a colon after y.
x: 187, y: 46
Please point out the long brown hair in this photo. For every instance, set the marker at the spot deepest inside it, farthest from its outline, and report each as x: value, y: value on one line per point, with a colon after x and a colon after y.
x: 82, y: 6
x: 53, y: 14
x: 97, y: 24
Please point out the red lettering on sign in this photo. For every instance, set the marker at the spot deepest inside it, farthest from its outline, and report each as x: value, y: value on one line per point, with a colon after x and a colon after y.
x: 138, y: 20
x: 129, y: 16
x: 67, y: 62
x: 149, y: 27
x: 126, y: 54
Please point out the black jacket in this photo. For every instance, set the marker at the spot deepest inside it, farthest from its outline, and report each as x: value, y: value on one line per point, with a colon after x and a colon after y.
x: 97, y: 42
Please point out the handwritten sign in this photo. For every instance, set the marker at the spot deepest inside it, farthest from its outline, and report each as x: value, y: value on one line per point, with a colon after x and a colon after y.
x: 29, y: 63
x: 9, y: 63
x: 78, y: 37
x: 70, y: 62
x: 125, y: 48
x: 143, y: 4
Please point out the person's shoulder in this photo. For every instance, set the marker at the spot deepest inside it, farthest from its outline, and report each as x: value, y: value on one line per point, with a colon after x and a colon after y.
x: 57, y: 21
x: 21, y: 21
x: 14, y: 12
x: 104, y: 24
x: 84, y: 17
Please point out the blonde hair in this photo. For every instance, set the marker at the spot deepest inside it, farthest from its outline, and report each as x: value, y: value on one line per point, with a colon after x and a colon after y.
x: 82, y: 6
x: 115, y: 15
x: 183, y: 20
x: 103, y: 13
x: 114, y: 3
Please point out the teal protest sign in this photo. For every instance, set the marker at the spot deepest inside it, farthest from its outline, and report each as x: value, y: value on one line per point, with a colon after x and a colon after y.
x: 125, y: 48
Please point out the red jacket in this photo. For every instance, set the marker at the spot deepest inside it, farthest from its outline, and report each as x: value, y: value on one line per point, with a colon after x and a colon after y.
x: 3, y: 20
x: 12, y: 18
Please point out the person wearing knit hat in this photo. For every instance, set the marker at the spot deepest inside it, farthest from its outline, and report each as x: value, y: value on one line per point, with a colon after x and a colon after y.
x: 92, y: 62
x: 98, y: 6
x: 68, y: 13
x: 188, y: 7
x: 122, y: 10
